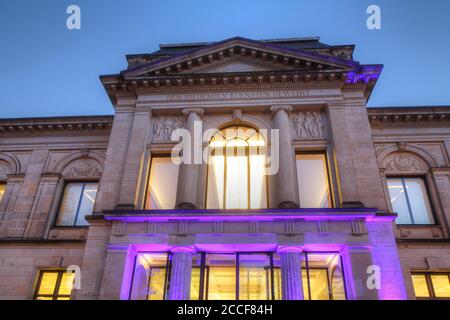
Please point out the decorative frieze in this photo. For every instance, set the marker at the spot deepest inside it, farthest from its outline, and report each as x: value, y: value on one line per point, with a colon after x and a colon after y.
x: 163, y: 126
x: 308, y: 125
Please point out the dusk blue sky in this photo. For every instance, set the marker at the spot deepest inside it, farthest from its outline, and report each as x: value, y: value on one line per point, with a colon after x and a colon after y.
x: 48, y: 70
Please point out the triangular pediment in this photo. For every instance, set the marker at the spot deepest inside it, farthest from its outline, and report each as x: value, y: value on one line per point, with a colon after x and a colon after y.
x: 239, y: 55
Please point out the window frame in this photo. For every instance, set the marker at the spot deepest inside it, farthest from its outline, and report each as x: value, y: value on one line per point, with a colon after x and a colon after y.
x: 430, y: 287
x: 428, y: 197
x: 247, y: 154
x: 147, y: 185
x: 55, y: 294
x: 328, y: 172
x: 61, y: 199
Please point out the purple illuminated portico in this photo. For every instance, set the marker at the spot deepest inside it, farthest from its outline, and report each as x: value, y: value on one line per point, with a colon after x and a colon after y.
x: 362, y: 237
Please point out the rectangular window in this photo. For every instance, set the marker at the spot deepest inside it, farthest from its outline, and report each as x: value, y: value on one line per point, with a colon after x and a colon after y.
x: 162, y: 185
x: 323, y: 277
x: 313, y: 181
x: 431, y: 285
x: 54, y: 285
x: 410, y: 200
x: 150, y: 276
x: 2, y: 190
x: 77, y: 202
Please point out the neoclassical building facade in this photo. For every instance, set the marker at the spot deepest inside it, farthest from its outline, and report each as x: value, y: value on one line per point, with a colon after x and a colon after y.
x: 299, y: 191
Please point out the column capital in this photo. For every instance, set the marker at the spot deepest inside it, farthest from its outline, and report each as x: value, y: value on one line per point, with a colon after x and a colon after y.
x: 284, y: 107
x: 187, y: 249
x: 199, y: 111
x: 289, y: 249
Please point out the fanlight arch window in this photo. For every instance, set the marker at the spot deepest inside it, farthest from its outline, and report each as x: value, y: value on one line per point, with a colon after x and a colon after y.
x: 237, y: 170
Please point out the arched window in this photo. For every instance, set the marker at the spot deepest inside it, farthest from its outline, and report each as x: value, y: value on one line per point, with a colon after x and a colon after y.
x: 236, y: 170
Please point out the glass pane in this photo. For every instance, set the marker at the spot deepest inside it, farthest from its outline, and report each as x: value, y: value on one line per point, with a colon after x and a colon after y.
x: 398, y: 200
x: 216, y: 174
x: 69, y: 204
x: 149, y: 277
x: 195, y: 277
x: 44, y: 298
x: 87, y: 203
x: 420, y: 286
x: 441, y: 285
x: 236, y: 182
x: 48, y: 283
x: 254, y: 275
x: 321, y: 267
x: 258, y: 180
x: 312, y: 177
x: 163, y: 183
x: 221, y: 276
x: 418, y: 197
x: 157, y: 283
x: 2, y: 190
x: 66, y: 285
x: 337, y: 284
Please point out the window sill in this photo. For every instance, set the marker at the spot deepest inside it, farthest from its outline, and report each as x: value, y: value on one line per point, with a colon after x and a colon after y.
x: 68, y: 233
x: 422, y: 232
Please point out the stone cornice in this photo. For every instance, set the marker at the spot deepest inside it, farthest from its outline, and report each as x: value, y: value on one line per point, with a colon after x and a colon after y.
x: 56, y: 124
x: 410, y: 117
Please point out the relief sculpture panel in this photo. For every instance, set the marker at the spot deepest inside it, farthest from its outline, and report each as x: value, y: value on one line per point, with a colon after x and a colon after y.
x: 308, y: 125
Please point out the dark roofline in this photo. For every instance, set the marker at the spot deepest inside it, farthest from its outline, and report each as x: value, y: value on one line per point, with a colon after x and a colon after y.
x: 402, y: 109
x: 59, y: 119
x: 197, y: 44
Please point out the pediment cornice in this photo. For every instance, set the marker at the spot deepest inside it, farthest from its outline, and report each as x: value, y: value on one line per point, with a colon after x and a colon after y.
x: 260, y: 52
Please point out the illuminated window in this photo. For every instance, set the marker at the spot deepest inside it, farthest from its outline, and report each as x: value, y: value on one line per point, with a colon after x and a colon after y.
x: 150, y: 279
x: 313, y: 181
x: 410, y: 200
x: 54, y: 285
x: 162, y: 185
x: 236, y: 170
x: 431, y: 285
x: 322, y: 277
x: 77, y: 202
x: 2, y: 190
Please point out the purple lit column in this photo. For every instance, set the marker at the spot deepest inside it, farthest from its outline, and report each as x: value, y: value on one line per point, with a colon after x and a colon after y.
x: 291, y: 275
x: 180, y: 273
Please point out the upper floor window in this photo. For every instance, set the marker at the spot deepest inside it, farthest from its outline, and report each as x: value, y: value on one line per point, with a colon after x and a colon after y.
x: 54, y: 285
x: 409, y: 198
x: 2, y: 190
x: 313, y: 181
x: 77, y: 202
x: 431, y: 285
x: 162, y: 185
x: 236, y: 170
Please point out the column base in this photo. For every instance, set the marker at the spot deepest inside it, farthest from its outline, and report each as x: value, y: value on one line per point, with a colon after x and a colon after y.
x: 353, y: 204
x: 186, y: 206
x: 287, y: 204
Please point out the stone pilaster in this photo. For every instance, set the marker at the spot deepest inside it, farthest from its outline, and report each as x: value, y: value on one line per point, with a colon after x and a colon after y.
x: 134, y: 162
x: 354, y: 152
x: 15, y: 227
x: 118, y: 273
x: 180, y: 274
x: 188, y: 180
x: 286, y: 177
x: 110, y: 182
x: 291, y: 273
